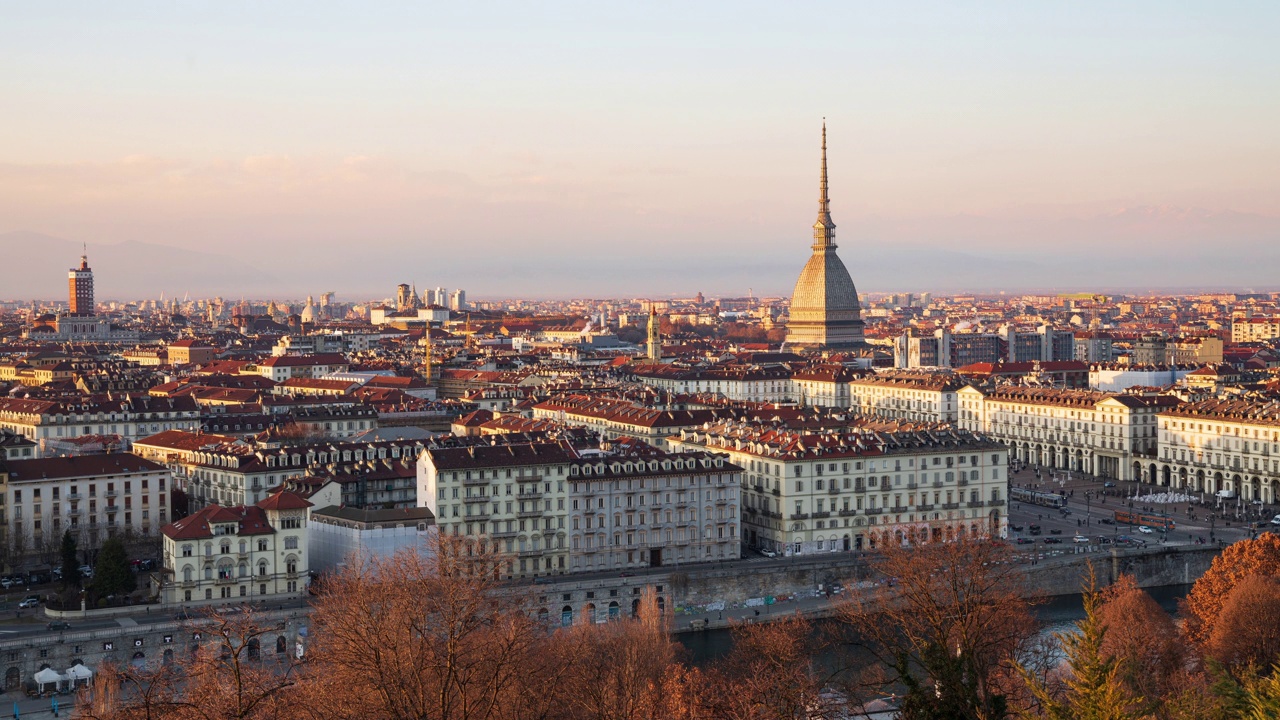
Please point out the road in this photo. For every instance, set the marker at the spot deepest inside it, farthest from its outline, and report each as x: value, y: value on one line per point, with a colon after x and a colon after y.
x: 1089, y: 506
x: 33, y: 622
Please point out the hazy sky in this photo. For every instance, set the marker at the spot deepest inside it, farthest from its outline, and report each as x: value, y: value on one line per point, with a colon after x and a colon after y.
x: 639, y: 148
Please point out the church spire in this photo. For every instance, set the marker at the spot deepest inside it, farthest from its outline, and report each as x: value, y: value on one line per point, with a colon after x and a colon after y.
x: 824, y: 230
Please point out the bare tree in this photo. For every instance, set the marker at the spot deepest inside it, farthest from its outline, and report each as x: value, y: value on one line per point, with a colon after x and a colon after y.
x: 769, y: 674
x: 944, y: 628
x: 1246, y: 633
x: 225, y: 678
x: 415, y: 637
x: 1144, y: 640
x: 624, y: 670
x: 1260, y: 556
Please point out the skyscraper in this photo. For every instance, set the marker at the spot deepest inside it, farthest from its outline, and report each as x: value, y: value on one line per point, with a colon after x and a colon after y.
x: 825, y: 314
x: 80, y: 290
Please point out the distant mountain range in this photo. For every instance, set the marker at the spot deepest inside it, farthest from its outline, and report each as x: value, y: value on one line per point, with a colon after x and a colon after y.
x: 1135, y: 250
x: 35, y: 266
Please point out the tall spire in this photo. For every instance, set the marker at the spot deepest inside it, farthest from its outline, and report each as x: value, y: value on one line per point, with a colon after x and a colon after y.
x: 824, y: 230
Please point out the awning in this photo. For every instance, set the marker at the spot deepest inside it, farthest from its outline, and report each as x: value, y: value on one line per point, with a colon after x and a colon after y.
x: 48, y: 676
x: 79, y: 672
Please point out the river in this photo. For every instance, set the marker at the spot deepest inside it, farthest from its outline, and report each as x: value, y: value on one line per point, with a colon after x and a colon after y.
x: 1058, y: 614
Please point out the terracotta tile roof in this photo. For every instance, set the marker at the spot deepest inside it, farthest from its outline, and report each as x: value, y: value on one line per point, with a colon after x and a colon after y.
x: 79, y: 466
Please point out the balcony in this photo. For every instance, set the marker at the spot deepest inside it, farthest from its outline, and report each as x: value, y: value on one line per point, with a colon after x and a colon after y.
x: 722, y: 501
x: 912, y: 486
x: 924, y: 507
x: 874, y: 511
x: 73, y: 512
x: 962, y: 483
x: 833, y: 490
x: 534, y: 495
x: 776, y: 492
x: 112, y: 508
x: 73, y: 497
x: 996, y: 503
x: 798, y: 516
x: 504, y: 533
x: 110, y: 494
x: 951, y: 506
x: 899, y: 508
x: 758, y: 488
x: 476, y: 481
x: 975, y: 504
x: 531, y: 553
x: 821, y: 515
x: 848, y: 513
x: 529, y: 513
x: 228, y: 580
x: 476, y: 499
x: 937, y: 483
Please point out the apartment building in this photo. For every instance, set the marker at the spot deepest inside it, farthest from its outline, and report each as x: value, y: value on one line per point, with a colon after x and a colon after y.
x: 617, y: 418
x: 839, y: 491
x: 558, y: 508
x: 239, y: 472
x: 93, y: 496
x: 1105, y: 434
x: 919, y: 396
x: 130, y: 417
x: 237, y: 554
x: 1227, y: 446
x: 516, y: 495
x: 745, y: 383
x: 647, y: 508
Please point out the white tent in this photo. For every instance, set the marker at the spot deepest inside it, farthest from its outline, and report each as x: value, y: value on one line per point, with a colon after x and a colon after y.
x: 46, y: 677
x: 78, y: 674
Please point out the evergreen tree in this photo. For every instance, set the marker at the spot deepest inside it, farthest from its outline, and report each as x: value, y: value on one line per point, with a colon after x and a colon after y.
x: 1095, y: 688
x: 70, y: 562
x: 112, y: 575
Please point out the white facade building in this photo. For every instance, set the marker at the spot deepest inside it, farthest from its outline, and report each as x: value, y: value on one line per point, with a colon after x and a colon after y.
x: 237, y: 554
x: 93, y: 496
x: 340, y: 536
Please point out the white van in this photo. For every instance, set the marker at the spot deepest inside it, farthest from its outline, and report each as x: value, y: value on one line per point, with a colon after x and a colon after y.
x: 1226, y: 494
x: 1275, y: 520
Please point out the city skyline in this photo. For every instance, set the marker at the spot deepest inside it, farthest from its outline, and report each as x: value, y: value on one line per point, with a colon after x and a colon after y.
x: 538, y: 154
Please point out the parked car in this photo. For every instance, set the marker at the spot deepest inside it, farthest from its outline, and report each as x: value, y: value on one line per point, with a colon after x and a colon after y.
x: 1145, y: 530
x: 30, y: 601
x: 1079, y: 539
x: 1016, y: 528
x: 1052, y: 541
x: 1035, y: 530
x: 1064, y: 511
x: 59, y: 625
x: 770, y: 553
x: 1108, y: 484
x: 1055, y: 531
x: 1109, y: 521
x: 7, y: 583
x: 1104, y: 540
x: 1024, y: 541
x: 1275, y: 520
x: 86, y: 571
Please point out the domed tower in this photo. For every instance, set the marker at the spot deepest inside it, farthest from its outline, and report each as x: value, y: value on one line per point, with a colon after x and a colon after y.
x: 825, y: 314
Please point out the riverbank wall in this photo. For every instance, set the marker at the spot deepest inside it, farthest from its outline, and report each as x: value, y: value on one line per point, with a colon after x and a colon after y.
x: 713, y: 598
